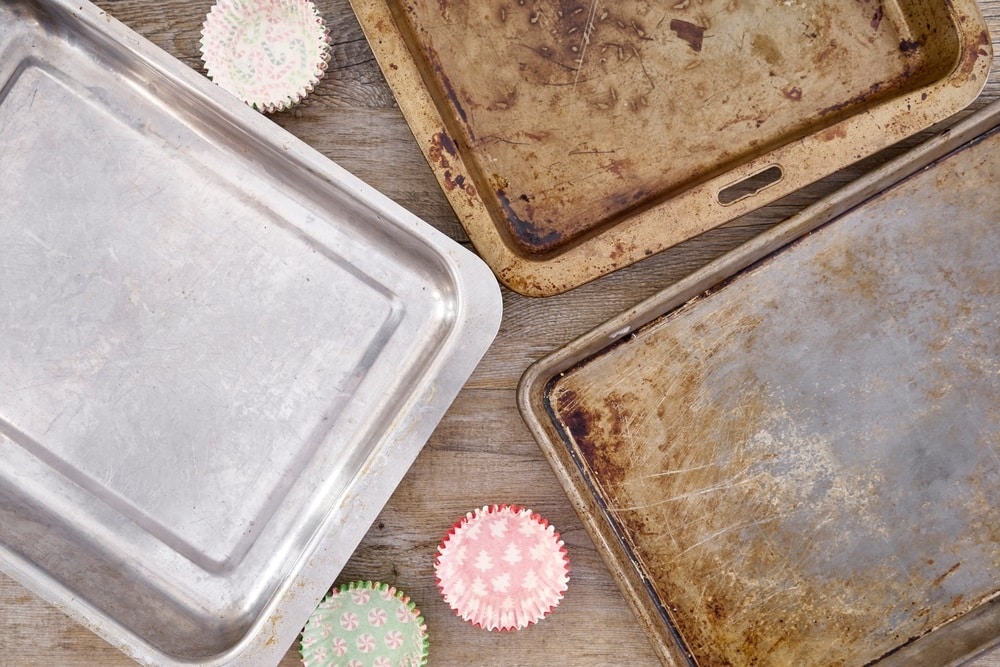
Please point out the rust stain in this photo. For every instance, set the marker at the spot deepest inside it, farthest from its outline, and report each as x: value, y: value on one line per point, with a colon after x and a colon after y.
x: 793, y: 93
x: 877, y: 16
x: 452, y: 95
x: 857, y: 99
x: 579, y: 420
x: 951, y: 570
x: 910, y: 45
x: 615, y: 430
x: 274, y: 620
x: 740, y: 117
x: 451, y: 182
x: 972, y: 55
x: 533, y: 238
x: 449, y: 88
x: 441, y: 147
x: 606, y: 457
x: 765, y: 47
x: 835, y: 132
x: 619, y: 167
x: 828, y: 51
x: 505, y: 102
x: 626, y: 200
x: 691, y: 33
x: 443, y: 140
x: 536, y: 136
x: 620, y: 251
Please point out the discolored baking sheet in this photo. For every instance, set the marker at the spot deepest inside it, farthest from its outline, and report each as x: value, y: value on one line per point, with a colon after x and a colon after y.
x: 574, y: 138
x: 220, y: 352
x: 795, y: 454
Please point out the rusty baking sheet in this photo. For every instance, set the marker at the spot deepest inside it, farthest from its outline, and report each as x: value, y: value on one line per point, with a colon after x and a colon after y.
x: 794, y: 454
x: 574, y: 138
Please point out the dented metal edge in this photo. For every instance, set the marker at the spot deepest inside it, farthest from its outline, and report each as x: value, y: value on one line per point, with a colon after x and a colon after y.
x: 477, y: 320
x: 533, y: 386
x: 622, y: 245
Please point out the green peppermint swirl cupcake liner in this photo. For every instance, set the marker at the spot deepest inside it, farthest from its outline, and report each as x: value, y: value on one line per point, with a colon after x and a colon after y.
x: 269, y: 53
x: 365, y: 624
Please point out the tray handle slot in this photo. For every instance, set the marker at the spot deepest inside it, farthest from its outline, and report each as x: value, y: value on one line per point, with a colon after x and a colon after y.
x: 751, y: 185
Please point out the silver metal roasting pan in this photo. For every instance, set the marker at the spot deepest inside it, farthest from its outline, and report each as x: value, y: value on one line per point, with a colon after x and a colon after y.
x: 219, y: 352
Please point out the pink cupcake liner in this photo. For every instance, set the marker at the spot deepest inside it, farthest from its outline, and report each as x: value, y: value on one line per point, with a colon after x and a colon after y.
x: 502, y: 568
x: 269, y: 53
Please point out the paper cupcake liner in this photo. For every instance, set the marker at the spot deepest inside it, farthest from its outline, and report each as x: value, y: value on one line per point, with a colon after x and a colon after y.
x: 365, y: 624
x: 269, y: 53
x: 502, y: 568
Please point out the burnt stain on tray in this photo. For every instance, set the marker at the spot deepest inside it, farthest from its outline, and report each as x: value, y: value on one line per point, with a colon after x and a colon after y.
x: 689, y: 32
x: 974, y: 53
x: 441, y: 153
x: 531, y: 235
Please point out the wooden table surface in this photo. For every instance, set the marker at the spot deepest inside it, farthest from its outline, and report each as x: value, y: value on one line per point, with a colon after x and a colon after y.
x: 481, y: 453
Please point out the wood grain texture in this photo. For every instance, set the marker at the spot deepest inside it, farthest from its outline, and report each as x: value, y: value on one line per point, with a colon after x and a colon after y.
x: 481, y: 453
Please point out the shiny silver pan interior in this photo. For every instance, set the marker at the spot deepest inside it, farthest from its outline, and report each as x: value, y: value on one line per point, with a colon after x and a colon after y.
x: 220, y: 352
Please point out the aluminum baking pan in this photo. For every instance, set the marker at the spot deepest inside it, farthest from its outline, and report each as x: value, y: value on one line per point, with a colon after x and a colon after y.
x: 793, y: 455
x: 220, y: 351
x: 575, y: 138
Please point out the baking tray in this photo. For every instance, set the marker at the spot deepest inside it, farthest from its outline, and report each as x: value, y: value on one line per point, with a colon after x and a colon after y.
x: 793, y: 455
x: 575, y: 138
x: 220, y: 351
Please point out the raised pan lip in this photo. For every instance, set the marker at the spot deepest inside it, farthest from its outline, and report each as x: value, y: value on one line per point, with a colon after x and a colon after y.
x: 478, y: 304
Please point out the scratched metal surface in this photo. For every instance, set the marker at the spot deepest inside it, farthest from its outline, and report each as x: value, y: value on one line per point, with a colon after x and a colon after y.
x: 576, y: 137
x: 220, y: 351
x: 804, y: 464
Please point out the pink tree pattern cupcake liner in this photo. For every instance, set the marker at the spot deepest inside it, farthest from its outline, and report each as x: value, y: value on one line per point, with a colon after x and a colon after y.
x: 502, y: 568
